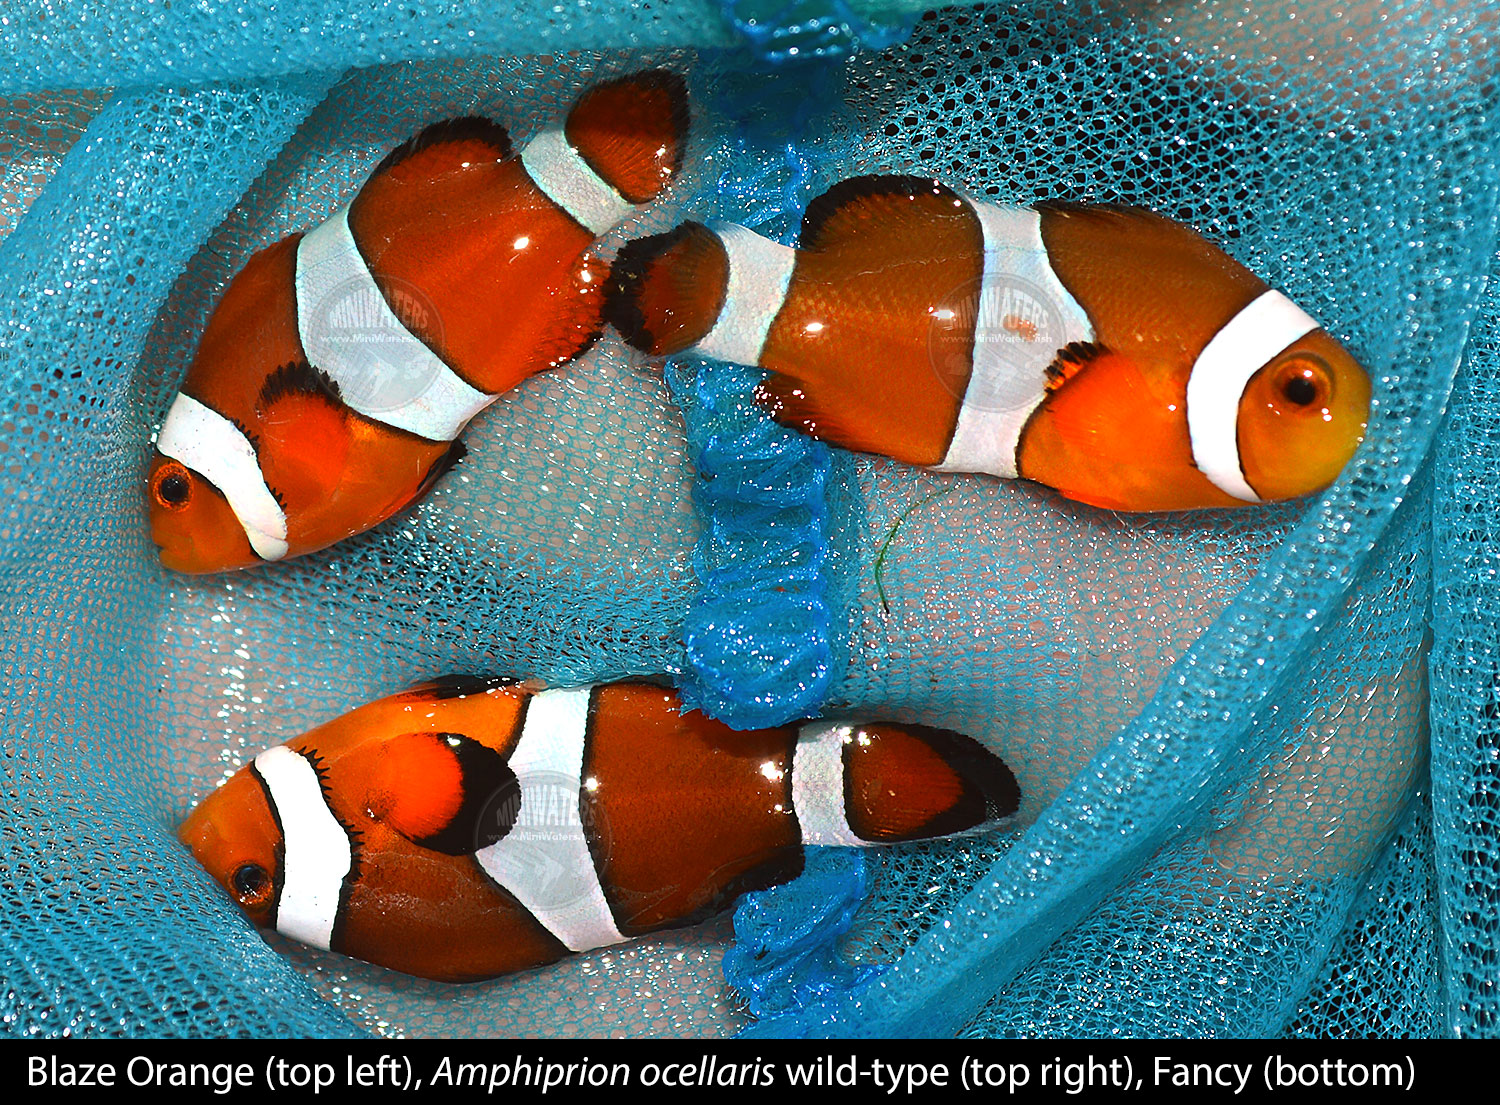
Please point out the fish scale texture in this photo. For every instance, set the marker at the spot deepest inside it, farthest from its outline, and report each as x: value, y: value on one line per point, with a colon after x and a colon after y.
x: 1243, y: 813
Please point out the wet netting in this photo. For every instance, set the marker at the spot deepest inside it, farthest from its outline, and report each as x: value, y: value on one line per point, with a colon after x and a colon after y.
x: 1257, y: 748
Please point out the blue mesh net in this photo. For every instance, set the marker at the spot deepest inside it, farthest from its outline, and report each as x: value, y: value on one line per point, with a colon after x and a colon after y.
x: 1233, y: 822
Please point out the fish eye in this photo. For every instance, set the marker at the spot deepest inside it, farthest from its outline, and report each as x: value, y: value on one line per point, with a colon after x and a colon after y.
x: 1302, y: 383
x: 172, y: 486
x: 251, y: 885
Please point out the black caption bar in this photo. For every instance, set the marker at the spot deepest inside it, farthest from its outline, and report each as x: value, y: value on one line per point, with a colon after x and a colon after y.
x: 892, y: 1069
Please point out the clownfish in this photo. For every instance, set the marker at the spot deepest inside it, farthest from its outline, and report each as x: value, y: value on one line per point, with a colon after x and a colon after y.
x: 472, y: 827
x: 1109, y: 353
x: 333, y: 379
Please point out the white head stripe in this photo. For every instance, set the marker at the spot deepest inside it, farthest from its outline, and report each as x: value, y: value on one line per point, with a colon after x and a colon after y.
x: 349, y: 331
x: 317, y: 854
x: 544, y: 861
x: 1025, y: 315
x: 759, y: 272
x: 567, y: 180
x: 211, y: 445
x: 818, y: 785
x: 1246, y: 344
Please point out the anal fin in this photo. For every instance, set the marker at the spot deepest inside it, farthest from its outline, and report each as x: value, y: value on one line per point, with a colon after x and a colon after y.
x: 456, y: 452
x: 792, y: 404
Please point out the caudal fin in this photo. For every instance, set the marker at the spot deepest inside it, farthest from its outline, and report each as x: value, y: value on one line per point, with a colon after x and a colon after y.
x: 665, y: 292
x: 911, y: 782
x: 632, y: 131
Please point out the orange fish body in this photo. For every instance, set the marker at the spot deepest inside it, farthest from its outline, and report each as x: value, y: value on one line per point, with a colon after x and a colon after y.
x: 334, y: 378
x: 1109, y: 353
x: 468, y: 828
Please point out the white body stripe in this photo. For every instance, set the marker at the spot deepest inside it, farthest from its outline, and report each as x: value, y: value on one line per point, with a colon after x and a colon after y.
x: 566, y: 178
x: 1246, y: 344
x: 818, y: 785
x: 759, y: 272
x: 211, y: 445
x: 317, y: 854
x: 1024, y: 317
x: 545, y: 860
x: 383, y: 371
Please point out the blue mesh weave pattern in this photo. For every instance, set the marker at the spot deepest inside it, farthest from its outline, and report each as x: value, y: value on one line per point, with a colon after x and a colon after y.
x: 1233, y: 820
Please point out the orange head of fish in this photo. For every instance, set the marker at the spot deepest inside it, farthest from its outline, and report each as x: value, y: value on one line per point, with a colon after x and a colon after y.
x: 1301, y: 417
x: 361, y: 835
x: 1149, y: 429
x: 235, y: 836
x: 259, y: 458
x: 1200, y: 386
x: 192, y: 523
x: 211, y: 502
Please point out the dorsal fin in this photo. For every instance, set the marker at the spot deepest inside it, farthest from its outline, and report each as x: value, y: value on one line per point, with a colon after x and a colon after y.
x: 445, y: 146
x: 879, y: 208
x: 445, y: 792
x: 297, y: 378
x: 456, y: 685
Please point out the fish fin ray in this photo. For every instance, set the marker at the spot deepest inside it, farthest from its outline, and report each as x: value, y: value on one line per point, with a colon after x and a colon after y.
x: 456, y: 685
x: 667, y: 291
x: 445, y: 792
x: 303, y: 433
x: 444, y: 464
x: 877, y: 208
x: 913, y: 782
x: 1072, y: 359
x: 632, y: 131
x: 792, y: 404
x: 443, y: 147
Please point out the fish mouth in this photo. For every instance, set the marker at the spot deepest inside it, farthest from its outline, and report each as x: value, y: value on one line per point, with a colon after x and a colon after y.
x: 179, y: 551
x: 175, y: 559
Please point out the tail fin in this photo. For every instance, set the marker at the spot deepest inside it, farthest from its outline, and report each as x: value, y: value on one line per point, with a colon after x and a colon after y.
x: 632, y: 131
x: 665, y: 292
x: 910, y: 782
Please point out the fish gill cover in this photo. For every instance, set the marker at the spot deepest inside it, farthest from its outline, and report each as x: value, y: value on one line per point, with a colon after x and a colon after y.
x: 1234, y: 823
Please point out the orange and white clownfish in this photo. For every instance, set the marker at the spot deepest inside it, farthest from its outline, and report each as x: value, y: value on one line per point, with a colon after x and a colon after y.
x: 1109, y: 353
x: 334, y: 377
x: 468, y: 827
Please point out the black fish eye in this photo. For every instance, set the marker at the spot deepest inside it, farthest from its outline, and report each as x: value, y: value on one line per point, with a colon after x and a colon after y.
x: 173, y: 488
x: 250, y: 883
x: 1303, y: 381
x: 1299, y: 390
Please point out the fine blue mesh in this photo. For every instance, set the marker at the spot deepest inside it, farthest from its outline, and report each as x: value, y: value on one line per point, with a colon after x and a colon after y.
x: 1466, y: 687
x: 1230, y: 822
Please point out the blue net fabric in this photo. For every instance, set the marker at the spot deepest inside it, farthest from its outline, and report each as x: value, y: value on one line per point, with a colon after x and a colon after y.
x: 1234, y: 821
